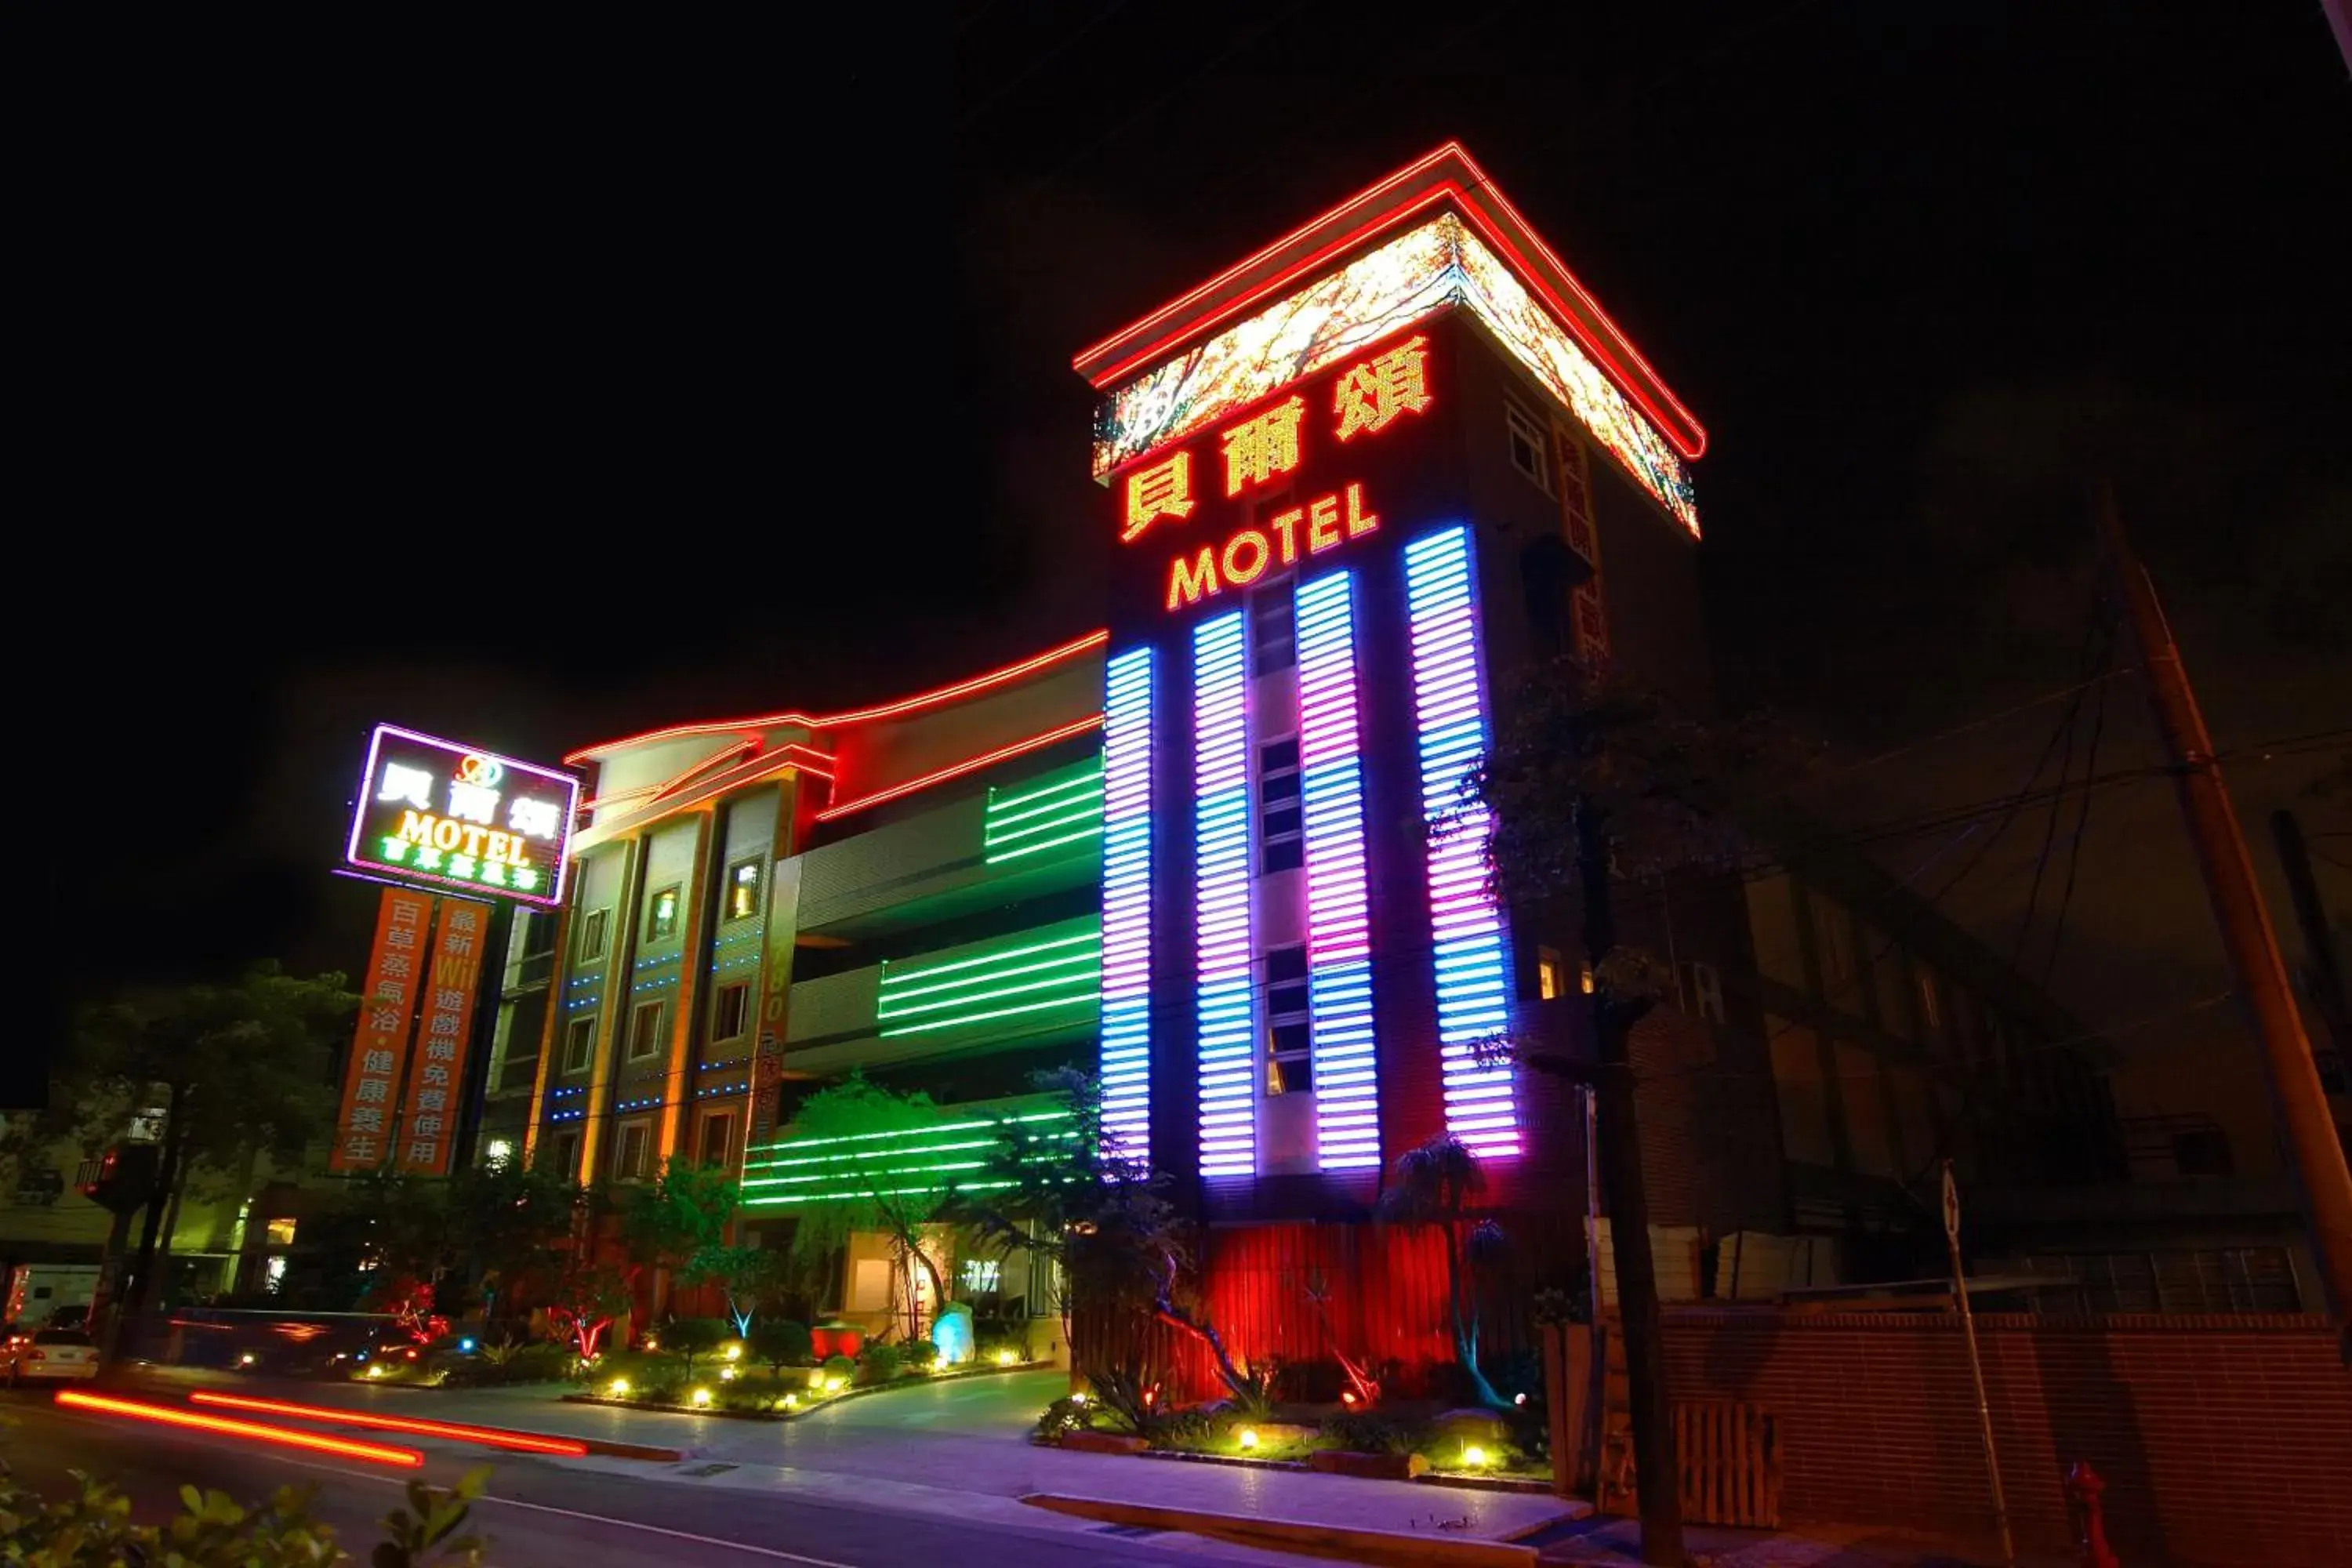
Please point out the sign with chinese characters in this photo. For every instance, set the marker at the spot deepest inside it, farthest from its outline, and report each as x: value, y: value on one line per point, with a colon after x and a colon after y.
x: 436, y: 1068
x: 1250, y: 480
x: 396, y: 968
x: 434, y: 811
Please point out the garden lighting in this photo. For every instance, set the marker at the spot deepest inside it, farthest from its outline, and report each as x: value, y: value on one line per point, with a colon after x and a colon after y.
x: 618, y: 1388
x: 1473, y: 1455
x: 1249, y: 1437
x: 1008, y: 1358
x: 701, y: 1399
x: 376, y: 1371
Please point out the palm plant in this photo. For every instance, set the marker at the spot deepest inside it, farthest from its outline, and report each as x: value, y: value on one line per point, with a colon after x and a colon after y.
x: 1435, y: 1185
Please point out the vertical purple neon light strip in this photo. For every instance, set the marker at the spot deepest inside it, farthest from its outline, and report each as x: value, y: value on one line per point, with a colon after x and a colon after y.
x: 1125, y: 1054
x: 1223, y: 995
x: 1466, y: 927
x: 1339, y: 926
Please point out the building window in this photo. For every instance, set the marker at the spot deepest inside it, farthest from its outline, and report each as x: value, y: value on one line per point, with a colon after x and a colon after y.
x: 1528, y: 442
x: 730, y: 1010
x: 1273, y: 629
x: 1281, y: 845
x: 632, y: 1151
x: 280, y: 1232
x: 1289, y: 1054
x: 1931, y: 1003
x: 579, y: 1042
x: 1551, y: 975
x: 743, y: 889
x: 646, y: 1030
x: 661, y: 917
x: 1707, y: 992
x: 562, y: 1158
x: 595, y: 926
x: 2202, y: 1152
x: 718, y: 1138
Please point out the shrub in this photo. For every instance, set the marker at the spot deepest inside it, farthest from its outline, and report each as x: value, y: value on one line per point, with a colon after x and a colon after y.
x: 921, y: 1355
x: 881, y: 1364
x: 691, y: 1337
x: 1067, y: 1414
x: 839, y: 1366
x: 1368, y: 1432
x: 213, y: 1531
x: 1192, y: 1431
x: 781, y: 1342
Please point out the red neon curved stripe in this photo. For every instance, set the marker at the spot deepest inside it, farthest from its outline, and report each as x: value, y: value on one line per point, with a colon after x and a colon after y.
x: 931, y: 699
x: 317, y: 1442
x: 522, y: 1442
x: 957, y: 770
x: 1678, y: 424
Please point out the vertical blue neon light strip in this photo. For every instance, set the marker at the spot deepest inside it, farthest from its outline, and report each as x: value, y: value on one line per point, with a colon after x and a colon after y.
x: 1221, y: 837
x: 1449, y: 702
x: 1126, y: 1051
x: 1339, y: 924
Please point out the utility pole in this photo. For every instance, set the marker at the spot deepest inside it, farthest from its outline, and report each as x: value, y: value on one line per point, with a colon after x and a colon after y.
x: 2247, y: 936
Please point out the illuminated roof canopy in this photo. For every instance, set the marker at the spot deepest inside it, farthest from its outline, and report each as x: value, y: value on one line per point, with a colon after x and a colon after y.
x: 1433, y: 234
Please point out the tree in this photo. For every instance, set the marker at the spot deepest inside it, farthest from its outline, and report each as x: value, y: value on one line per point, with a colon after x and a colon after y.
x: 585, y: 1299
x: 1588, y: 781
x: 782, y: 1343
x: 685, y: 1209
x: 1075, y: 1197
x: 1435, y: 1185
x: 691, y: 1337
x: 504, y: 1221
x: 876, y: 1200
x: 748, y: 1276
x: 240, y: 1070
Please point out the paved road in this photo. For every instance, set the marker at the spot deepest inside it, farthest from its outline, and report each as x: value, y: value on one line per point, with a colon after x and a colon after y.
x: 545, y: 1513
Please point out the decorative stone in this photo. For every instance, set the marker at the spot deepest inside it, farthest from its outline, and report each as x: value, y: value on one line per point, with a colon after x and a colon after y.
x: 952, y: 1335
x: 1104, y: 1442
x: 1368, y: 1467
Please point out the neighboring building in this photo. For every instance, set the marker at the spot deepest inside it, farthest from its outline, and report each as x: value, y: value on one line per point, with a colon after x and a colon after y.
x: 764, y: 905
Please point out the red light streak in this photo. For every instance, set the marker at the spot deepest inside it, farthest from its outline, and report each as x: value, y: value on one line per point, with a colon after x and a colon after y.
x: 317, y: 1442
x: 1611, y: 349
x: 957, y: 770
x: 920, y: 700
x: 520, y: 1442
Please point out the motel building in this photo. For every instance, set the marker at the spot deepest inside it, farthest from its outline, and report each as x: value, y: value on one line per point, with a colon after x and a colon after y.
x: 1215, y: 853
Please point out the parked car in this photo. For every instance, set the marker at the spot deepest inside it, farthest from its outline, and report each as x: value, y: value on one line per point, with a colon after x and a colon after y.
x: 48, y: 1353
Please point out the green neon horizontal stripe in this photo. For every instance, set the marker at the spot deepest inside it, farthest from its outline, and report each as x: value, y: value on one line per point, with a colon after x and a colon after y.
x: 996, y: 856
x: 782, y: 1198
x: 1085, y: 803
x: 930, y: 1130
x: 852, y: 1156
x: 1091, y: 974
x: 1061, y: 826
x: 929, y: 970
x: 1092, y: 774
x: 1087, y: 959
x: 1090, y: 999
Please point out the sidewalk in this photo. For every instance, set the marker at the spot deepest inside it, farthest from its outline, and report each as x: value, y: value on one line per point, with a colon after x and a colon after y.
x: 1618, y: 1541
x: 950, y: 1449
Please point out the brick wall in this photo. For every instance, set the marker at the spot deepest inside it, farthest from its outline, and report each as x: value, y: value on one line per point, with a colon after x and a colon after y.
x: 2224, y: 1440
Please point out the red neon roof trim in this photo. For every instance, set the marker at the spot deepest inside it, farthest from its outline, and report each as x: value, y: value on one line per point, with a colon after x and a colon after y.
x: 957, y: 770
x: 1267, y: 272
x: 930, y: 699
x: 494, y: 1436
x: 284, y: 1438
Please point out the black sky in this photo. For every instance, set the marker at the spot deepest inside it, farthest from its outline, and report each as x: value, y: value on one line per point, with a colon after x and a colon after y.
x: 539, y: 394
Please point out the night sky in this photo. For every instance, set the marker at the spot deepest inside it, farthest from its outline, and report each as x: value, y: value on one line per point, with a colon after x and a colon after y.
x: 539, y: 398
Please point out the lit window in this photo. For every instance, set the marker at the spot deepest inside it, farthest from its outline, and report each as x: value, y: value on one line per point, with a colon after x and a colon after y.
x: 1273, y: 629
x: 579, y: 1042
x: 1551, y: 975
x: 499, y: 1153
x: 730, y: 1011
x: 646, y: 1030
x: 661, y: 919
x: 1528, y: 446
x: 563, y: 1158
x: 281, y: 1232
x: 1280, y: 818
x: 718, y: 1138
x: 1289, y: 1057
x: 1931, y: 1006
x: 273, y: 1272
x: 743, y: 889
x: 593, y: 927
x: 631, y: 1151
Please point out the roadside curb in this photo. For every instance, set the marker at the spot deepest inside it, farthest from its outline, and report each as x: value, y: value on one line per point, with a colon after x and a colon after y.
x: 1403, y: 1549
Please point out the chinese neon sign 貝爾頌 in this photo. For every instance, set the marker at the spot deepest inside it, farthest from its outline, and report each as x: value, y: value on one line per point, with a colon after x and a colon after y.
x: 431, y: 810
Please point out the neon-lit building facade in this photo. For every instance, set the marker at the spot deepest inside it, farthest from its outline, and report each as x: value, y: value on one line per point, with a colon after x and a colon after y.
x: 1357, y: 482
